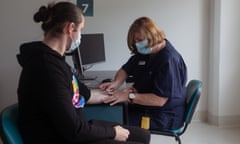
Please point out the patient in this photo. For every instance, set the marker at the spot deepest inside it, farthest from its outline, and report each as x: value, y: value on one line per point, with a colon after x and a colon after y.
x: 51, y: 98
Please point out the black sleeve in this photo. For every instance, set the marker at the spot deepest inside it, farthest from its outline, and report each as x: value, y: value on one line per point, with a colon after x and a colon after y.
x: 85, y: 91
x: 68, y: 120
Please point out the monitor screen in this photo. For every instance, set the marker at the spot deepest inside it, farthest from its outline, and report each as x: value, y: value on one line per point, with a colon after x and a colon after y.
x: 92, y: 49
x: 90, y: 52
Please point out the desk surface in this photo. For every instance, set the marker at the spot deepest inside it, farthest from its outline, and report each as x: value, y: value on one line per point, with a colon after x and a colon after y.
x: 100, y: 75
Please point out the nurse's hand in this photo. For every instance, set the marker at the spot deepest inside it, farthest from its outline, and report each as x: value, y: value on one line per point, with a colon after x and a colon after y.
x: 117, y: 97
x: 109, y: 87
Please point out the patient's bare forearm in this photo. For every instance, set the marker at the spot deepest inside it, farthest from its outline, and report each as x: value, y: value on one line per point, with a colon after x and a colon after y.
x: 97, y: 97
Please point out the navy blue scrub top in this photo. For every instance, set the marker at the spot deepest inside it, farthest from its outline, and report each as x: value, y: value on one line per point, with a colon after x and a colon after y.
x: 164, y: 74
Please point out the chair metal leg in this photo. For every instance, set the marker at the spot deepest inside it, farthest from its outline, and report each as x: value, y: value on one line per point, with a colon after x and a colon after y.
x: 177, y: 138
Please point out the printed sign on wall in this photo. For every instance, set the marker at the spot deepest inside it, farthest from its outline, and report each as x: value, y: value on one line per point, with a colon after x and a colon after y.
x: 86, y: 6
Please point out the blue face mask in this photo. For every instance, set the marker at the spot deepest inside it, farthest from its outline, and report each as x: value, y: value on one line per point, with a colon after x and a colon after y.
x: 142, y: 47
x: 74, y: 44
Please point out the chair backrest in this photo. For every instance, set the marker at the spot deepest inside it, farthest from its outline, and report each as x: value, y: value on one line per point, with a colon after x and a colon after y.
x: 193, y: 94
x: 9, y: 126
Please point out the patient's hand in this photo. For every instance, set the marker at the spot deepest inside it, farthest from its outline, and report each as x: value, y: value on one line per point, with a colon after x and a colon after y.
x: 97, y: 96
x: 121, y: 133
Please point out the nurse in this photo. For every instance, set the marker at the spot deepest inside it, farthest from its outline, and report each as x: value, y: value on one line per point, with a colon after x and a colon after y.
x: 159, y: 75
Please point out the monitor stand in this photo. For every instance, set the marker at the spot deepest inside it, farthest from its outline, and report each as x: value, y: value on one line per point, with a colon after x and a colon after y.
x: 89, y: 81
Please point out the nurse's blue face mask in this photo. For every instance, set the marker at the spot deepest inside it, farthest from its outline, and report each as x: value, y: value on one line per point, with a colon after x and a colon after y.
x: 142, y: 47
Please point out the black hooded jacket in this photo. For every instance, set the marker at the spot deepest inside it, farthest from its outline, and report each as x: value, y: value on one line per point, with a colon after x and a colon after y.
x: 45, y: 92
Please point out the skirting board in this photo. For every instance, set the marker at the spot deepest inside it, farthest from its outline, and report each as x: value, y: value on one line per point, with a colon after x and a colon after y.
x: 224, y: 121
x: 220, y: 121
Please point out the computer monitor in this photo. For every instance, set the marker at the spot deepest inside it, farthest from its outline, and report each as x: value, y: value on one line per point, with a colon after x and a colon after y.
x: 92, y: 48
x: 91, y: 51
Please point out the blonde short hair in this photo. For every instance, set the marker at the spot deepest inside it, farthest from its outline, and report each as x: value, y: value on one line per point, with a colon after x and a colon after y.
x: 146, y: 27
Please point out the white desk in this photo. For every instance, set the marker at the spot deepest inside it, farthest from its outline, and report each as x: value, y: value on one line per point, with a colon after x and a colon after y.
x: 100, y: 75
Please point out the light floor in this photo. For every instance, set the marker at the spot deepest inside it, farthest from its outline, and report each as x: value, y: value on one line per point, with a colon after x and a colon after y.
x: 202, y: 133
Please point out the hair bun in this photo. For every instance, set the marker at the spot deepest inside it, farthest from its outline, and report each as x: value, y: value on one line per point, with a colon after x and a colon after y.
x: 42, y: 14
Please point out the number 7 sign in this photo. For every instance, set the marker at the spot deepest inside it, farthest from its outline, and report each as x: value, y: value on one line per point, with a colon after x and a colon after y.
x: 86, y: 6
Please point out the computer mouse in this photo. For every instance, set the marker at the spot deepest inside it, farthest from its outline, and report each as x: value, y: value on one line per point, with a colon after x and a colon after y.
x: 106, y: 80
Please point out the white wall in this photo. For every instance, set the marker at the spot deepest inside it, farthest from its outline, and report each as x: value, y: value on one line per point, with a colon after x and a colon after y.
x: 224, y: 95
x: 17, y: 26
x: 229, y: 62
x: 186, y: 23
